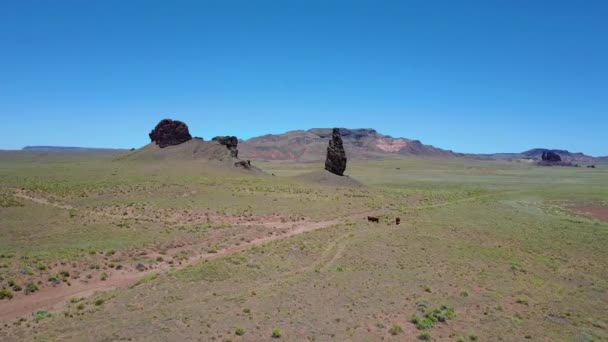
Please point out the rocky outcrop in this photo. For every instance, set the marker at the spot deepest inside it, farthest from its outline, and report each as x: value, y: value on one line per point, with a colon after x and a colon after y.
x: 551, y: 157
x: 170, y: 132
x: 230, y: 142
x: 336, y: 156
x: 244, y: 164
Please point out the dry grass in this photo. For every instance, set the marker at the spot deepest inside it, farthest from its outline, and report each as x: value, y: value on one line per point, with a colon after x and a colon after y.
x: 495, y: 231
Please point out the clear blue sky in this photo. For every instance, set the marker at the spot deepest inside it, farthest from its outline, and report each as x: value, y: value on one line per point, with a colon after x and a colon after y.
x: 471, y: 76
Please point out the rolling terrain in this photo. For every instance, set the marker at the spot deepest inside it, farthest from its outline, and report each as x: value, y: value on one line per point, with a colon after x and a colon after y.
x: 189, y: 249
x: 361, y: 144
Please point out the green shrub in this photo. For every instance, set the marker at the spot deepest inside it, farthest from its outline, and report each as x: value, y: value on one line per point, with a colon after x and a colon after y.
x: 276, y: 333
x: 40, y: 315
x: 6, y: 293
x: 31, y: 287
x: 239, y: 331
x: 99, y: 301
x: 473, y: 337
x: 425, y: 336
x: 395, y: 329
x: 41, y: 266
x: 441, y: 314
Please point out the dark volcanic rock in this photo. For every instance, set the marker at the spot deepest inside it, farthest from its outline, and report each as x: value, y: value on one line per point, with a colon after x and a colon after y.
x: 169, y: 132
x: 230, y: 142
x: 245, y: 164
x: 551, y: 157
x: 336, y: 156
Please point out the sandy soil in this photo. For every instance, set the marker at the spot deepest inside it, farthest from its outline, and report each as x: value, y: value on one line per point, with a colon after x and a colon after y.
x: 597, y: 212
x: 53, y: 298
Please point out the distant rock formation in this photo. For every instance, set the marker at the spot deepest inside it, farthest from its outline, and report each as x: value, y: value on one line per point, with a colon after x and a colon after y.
x: 230, y: 142
x: 551, y: 157
x: 169, y: 132
x: 336, y: 156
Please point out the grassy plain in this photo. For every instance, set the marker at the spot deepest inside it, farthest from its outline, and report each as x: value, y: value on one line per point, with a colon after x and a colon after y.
x: 485, y: 251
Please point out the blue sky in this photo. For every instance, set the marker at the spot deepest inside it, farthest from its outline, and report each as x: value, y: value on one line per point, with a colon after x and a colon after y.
x: 471, y: 76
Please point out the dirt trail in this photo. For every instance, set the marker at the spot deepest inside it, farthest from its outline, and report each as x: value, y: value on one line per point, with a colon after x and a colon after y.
x: 53, y: 298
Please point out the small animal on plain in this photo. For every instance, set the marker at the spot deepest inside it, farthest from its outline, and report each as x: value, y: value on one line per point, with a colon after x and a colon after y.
x: 373, y: 219
x: 397, y: 221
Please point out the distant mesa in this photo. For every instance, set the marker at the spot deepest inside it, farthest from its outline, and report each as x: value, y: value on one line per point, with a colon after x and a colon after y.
x: 169, y: 133
x: 335, y: 161
x: 231, y: 142
x: 69, y: 148
x: 311, y: 145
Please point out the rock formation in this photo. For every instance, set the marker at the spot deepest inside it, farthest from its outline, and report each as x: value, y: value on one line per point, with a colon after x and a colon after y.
x: 551, y: 157
x: 336, y: 156
x: 245, y: 164
x: 230, y: 142
x: 169, y: 132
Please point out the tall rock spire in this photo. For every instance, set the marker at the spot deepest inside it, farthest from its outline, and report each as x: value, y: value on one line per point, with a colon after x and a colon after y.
x: 336, y: 156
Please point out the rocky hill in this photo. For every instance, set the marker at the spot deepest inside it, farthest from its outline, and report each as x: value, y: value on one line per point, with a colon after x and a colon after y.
x: 311, y: 145
x: 537, y: 153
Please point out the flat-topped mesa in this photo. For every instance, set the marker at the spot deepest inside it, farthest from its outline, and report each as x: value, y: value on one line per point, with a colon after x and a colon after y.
x: 336, y: 156
x: 170, y: 132
x: 230, y: 142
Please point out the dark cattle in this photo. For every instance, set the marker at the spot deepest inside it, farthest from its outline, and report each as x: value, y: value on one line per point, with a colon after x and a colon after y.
x: 397, y: 221
x: 373, y: 219
x: 591, y: 166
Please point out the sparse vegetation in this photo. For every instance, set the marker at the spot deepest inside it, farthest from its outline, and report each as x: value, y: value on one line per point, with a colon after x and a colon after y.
x: 395, y: 329
x: 31, y: 287
x: 40, y: 315
x: 424, y: 336
x: 6, y: 293
x: 276, y: 333
x: 429, y: 319
x: 469, y: 238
